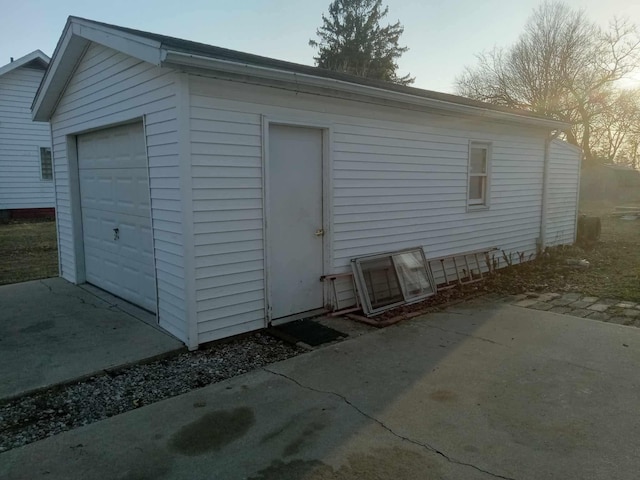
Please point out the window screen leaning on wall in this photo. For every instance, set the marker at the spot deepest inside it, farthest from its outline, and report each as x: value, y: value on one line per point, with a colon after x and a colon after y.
x: 391, y: 279
x: 479, y: 163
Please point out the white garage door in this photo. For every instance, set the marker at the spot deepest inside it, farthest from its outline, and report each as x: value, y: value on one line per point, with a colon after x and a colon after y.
x: 116, y: 214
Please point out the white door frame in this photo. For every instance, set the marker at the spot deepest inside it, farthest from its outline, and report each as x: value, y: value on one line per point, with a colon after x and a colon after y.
x: 327, y: 200
x: 76, y: 204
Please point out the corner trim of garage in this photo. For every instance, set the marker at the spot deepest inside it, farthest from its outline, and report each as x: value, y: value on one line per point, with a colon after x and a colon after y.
x: 186, y: 185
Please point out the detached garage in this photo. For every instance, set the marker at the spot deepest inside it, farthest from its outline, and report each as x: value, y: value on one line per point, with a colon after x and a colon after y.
x: 215, y: 187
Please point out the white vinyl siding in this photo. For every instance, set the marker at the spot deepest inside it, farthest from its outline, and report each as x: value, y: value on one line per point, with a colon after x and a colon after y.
x: 21, y: 183
x: 107, y: 88
x: 397, y: 183
x: 564, y: 178
x: 226, y: 155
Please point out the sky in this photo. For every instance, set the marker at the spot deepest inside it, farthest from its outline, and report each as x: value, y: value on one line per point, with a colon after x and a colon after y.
x: 443, y: 36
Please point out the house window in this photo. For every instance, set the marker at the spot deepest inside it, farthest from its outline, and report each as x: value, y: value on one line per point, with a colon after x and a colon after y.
x: 479, y: 163
x: 46, y: 165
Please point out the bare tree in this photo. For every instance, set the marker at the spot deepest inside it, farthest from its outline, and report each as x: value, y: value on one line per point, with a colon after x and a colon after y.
x: 630, y: 154
x: 617, y: 127
x: 563, y: 66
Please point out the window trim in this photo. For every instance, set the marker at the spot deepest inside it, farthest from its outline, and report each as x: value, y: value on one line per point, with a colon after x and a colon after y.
x: 484, y: 203
x: 42, y: 177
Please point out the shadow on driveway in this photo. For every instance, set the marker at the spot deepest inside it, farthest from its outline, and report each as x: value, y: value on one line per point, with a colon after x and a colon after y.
x: 481, y: 391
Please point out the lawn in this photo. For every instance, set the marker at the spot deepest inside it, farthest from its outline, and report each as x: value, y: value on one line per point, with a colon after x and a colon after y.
x: 28, y: 251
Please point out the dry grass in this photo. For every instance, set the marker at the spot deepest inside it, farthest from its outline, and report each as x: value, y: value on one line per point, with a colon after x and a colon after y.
x: 614, y: 270
x: 28, y: 251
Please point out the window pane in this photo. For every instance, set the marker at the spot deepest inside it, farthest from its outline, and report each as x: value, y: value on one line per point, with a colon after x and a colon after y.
x: 412, y: 274
x: 45, y: 163
x: 478, y: 161
x: 476, y: 188
x: 381, y: 282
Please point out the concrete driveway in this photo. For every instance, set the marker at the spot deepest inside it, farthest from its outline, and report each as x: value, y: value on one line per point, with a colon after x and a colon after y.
x: 483, y: 391
x: 52, y: 331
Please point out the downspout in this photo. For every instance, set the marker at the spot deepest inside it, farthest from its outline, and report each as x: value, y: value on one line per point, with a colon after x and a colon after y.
x: 542, y: 243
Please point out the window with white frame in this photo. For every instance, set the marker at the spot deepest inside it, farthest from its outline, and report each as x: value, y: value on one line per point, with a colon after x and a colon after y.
x: 479, y: 163
x: 46, y: 164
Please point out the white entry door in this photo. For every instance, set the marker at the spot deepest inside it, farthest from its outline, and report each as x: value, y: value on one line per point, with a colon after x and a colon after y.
x: 116, y: 214
x: 295, y: 220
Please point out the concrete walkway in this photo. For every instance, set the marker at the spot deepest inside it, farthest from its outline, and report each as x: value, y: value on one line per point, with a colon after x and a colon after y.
x: 52, y: 331
x: 483, y: 391
x: 577, y: 305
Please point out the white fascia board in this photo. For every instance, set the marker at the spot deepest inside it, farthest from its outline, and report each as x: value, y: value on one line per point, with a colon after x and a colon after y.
x: 177, y: 59
x: 38, y: 113
x: 75, y: 38
x: 138, y: 47
x: 37, y: 54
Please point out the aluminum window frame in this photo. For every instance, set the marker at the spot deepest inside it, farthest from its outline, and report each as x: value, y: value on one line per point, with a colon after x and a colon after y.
x: 49, y: 177
x: 481, y: 203
x: 363, y: 292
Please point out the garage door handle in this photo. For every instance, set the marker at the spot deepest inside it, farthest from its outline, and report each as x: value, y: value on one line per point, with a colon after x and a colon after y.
x: 116, y: 233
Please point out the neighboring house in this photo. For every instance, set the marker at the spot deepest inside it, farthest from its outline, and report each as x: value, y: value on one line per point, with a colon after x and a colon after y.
x: 610, y: 183
x: 215, y: 187
x: 26, y: 174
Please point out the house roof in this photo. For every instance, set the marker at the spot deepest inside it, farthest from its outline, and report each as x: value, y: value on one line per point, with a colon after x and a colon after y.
x: 163, y: 50
x: 35, y: 59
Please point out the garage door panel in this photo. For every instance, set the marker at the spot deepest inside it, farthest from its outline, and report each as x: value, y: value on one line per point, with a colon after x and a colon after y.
x: 116, y: 214
x: 107, y: 269
x: 113, y: 190
x: 140, y: 265
x: 98, y: 231
x: 132, y: 192
x: 117, y: 147
x: 135, y: 237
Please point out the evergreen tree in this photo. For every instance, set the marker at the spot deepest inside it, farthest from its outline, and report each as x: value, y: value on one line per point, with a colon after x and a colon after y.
x: 351, y: 40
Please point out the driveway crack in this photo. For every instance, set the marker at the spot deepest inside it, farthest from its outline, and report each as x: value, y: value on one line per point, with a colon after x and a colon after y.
x: 99, y: 303
x: 77, y: 297
x: 103, y: 304
x: 424, y: 445
x: 48, y: 287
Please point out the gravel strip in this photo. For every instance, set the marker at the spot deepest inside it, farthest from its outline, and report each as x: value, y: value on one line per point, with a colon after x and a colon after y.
x: 43, y: 414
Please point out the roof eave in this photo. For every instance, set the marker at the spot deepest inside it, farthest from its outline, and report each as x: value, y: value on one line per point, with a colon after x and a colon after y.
x: 76, y: 36
x: 180, y: 59
x: 79, y: 33
x: 35, y: 55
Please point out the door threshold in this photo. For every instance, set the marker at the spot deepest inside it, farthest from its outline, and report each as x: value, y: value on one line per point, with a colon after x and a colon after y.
x: 299, y: 316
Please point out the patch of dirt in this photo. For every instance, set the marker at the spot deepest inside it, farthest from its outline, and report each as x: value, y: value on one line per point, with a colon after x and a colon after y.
x: 613, y: 272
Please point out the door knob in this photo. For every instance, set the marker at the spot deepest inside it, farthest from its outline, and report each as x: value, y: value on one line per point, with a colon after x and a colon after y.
x: 319, y: 232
